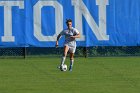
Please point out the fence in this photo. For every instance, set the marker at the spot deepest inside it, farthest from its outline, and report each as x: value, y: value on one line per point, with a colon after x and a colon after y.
x: 97, y: 51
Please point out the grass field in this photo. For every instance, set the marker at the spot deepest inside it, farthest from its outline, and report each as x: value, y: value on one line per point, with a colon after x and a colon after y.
x: 91, y: 75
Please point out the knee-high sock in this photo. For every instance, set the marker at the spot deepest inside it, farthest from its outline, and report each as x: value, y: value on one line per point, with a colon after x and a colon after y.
x: 63, y: 60
x: 71, y: 62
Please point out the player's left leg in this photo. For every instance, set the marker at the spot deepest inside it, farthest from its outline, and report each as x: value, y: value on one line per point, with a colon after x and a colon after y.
x: 71, y: 61
x: 72, y: 51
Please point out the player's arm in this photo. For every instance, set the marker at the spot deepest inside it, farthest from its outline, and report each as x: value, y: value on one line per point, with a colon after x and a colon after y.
x: 58, y: 37
x: 76, y: 36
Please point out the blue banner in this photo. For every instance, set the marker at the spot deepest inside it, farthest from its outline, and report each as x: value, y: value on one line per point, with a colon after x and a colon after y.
x: 36, y: 23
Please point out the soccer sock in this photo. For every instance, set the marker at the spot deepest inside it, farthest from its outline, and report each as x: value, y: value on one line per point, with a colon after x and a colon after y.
x: 63, y: 60
x: 71, y: 62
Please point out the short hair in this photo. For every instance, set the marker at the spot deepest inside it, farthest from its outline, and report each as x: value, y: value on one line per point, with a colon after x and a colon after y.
x: 68, y: 20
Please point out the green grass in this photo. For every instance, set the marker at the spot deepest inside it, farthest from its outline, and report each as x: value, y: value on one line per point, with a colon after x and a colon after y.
x: 91, y: 75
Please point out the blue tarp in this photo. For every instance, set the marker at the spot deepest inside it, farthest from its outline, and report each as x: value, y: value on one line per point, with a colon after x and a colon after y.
x: 27, y: 23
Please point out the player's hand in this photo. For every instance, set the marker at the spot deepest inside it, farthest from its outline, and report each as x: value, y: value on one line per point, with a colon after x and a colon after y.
x: 73, y: 37
x: 56, y: 45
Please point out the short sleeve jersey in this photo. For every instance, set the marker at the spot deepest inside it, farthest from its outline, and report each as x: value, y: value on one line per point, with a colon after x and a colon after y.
x: 68, y: 33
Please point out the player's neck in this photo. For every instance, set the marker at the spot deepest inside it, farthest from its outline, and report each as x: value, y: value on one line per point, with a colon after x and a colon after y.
x: 69, y: 28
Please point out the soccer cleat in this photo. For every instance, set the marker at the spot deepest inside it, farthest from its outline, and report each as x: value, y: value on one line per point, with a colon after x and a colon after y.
x: 70, y: 69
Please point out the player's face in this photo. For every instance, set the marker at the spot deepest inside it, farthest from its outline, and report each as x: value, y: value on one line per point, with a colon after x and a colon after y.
x: 69, y: 24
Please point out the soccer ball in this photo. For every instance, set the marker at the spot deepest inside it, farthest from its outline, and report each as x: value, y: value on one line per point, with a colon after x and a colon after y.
x: 63, y: 67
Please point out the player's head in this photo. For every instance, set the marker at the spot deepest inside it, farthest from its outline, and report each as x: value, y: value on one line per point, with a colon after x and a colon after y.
x: 69, y: 23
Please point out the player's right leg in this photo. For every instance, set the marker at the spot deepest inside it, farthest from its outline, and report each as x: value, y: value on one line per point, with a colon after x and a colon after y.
x: 66, y: 49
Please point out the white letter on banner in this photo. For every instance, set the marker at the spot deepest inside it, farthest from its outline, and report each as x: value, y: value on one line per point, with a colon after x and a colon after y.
x: 81, y: 9
x: 8, y: 18
x: 37, y: 20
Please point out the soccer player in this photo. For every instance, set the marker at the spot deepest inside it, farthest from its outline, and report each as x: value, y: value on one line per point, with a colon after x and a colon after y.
x: 70, y: 34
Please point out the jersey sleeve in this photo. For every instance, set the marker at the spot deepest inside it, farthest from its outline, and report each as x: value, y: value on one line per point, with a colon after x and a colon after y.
x: 76, y: 32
